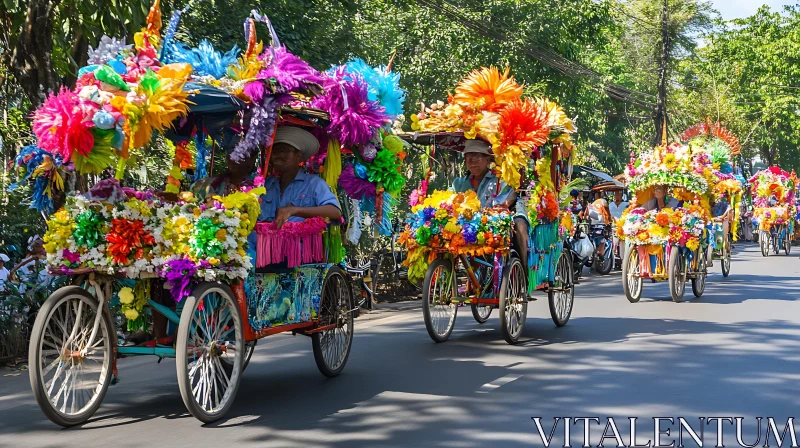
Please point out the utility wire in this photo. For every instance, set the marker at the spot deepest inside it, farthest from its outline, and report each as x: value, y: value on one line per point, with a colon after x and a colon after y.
x: 544, y: 54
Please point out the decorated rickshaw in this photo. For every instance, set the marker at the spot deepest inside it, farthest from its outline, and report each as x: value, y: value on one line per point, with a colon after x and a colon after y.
x: 727, y: 190
x: 205, y: 273
x: 774, y: 209
x: 463, y: 253
x: 667, y: 242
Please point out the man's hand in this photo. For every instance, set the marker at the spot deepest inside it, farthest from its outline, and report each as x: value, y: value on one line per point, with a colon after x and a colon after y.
x: 283, y: 214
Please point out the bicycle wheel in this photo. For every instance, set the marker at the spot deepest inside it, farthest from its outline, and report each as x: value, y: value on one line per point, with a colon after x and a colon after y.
x: 561, y: 293
x: 438, y: 308
x: 764, y: 241
x: 775, y: 246
x: 513, y: 301
x: 210, y: 351
x: 726, y: 258
x: 332, y: 347
x: 481, y: 313
x: 677, y: 275
x: 631, y: 277
x: 69, y: 378
x: 699, y: 281
x: 249, y: 348
x: 787, y: 244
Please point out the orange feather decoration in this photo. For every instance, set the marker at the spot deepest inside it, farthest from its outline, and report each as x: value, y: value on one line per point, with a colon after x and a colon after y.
x: 154, y: 19
x: 715, y: 130
x: 524, y: 124
x: 487, y: 90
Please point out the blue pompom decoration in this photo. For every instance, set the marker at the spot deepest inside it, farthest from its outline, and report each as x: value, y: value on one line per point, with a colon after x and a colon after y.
x: 204, y: 59
x: 384, y: 86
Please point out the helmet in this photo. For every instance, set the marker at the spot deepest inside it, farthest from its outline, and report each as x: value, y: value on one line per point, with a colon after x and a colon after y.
x: 574, y: 193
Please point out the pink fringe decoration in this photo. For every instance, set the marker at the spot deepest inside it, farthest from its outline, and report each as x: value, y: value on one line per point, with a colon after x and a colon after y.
x: 296, y: 243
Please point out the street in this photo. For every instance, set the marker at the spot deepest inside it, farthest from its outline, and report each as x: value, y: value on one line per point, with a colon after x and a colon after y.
x: 730, y: 353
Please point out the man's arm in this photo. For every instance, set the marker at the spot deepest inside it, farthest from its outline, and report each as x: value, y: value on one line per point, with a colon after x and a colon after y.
x: 324, y: 211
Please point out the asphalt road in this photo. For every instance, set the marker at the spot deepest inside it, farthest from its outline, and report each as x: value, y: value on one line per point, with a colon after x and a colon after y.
x: 734, y: 352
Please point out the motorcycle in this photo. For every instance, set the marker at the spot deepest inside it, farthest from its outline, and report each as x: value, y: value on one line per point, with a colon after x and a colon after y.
x: 601, y: 237
x: 581, y: 249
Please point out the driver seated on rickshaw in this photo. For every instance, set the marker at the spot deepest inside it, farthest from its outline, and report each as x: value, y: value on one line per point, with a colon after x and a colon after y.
x: 660, y: 200
x: 598, y: 215
x: 293, y: 195
x: 478, y: 157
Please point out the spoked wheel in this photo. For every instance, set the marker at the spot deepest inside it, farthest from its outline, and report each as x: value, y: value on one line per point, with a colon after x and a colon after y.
x: 481, y: 313
x: 775, y: 244
x: 561, y: 293
x: 332, y: 346
x: 631, y: 277
x: 210, y: 351
x: 438, y: 291
x: 726, y: 258
x: 764, y: 241
x: 513, y: 301
x: 677, y: 275
x: 699, y: 281
x: 69, y: 378
x: 249, y: 348
x: 787, y: 244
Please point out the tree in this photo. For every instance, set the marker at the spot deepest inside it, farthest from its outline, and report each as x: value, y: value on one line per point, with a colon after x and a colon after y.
x: 753, y: 65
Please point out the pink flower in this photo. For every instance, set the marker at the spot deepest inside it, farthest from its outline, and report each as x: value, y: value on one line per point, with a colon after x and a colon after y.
x: 71, y: 257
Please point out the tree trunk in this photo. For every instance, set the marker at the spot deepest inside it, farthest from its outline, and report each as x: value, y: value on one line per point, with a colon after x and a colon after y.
x: 31, y: 62
x: 661, y: 107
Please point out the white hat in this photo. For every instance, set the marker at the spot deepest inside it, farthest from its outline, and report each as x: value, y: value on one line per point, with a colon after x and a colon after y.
x: 477, y: 146
x: 299, y: 139
x: 4, y: 257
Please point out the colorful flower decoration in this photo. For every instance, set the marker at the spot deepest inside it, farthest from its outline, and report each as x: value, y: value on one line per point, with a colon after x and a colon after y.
x: 453, y: 223
x: 488, y: 104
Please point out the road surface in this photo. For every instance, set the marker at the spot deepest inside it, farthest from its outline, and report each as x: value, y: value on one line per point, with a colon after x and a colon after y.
x: 734, y: 352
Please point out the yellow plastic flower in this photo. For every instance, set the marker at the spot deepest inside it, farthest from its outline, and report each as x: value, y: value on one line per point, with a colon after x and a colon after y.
x: 221, y: 235
x: 131, y: 314
x: 452, y: 226
x: 126, y: 296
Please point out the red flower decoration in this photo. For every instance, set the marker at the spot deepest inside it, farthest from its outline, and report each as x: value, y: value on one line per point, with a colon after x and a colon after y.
x: 128, y: 237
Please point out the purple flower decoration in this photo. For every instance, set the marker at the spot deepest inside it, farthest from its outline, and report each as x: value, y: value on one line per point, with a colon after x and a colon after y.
x: 470, y: 236
x: 354, y: 187
x: 288, y: 70
x: 262, y: 125
x: 354, y: 119
x: 71, y: 257
x: 108, y: 190
x: 178, y: 275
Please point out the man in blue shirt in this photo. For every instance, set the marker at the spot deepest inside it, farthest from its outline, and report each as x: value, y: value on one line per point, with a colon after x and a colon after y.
x: 292, y: 194
x: 480, y: 179
x: 491, y: 191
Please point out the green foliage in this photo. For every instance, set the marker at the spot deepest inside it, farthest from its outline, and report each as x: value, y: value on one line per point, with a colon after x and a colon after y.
x: 747, y: 77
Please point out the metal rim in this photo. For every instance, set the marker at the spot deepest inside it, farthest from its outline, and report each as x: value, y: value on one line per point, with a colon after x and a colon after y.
x: 679, y: 273
x: 442, y: 310
x: 515, y: 300
x: 700, y: 280
x: 483, y: 311
x: 563, y: 292
x: 212, y: 350
x: 635, y: 281
x: 72, y: 374
x: 335, y: 343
